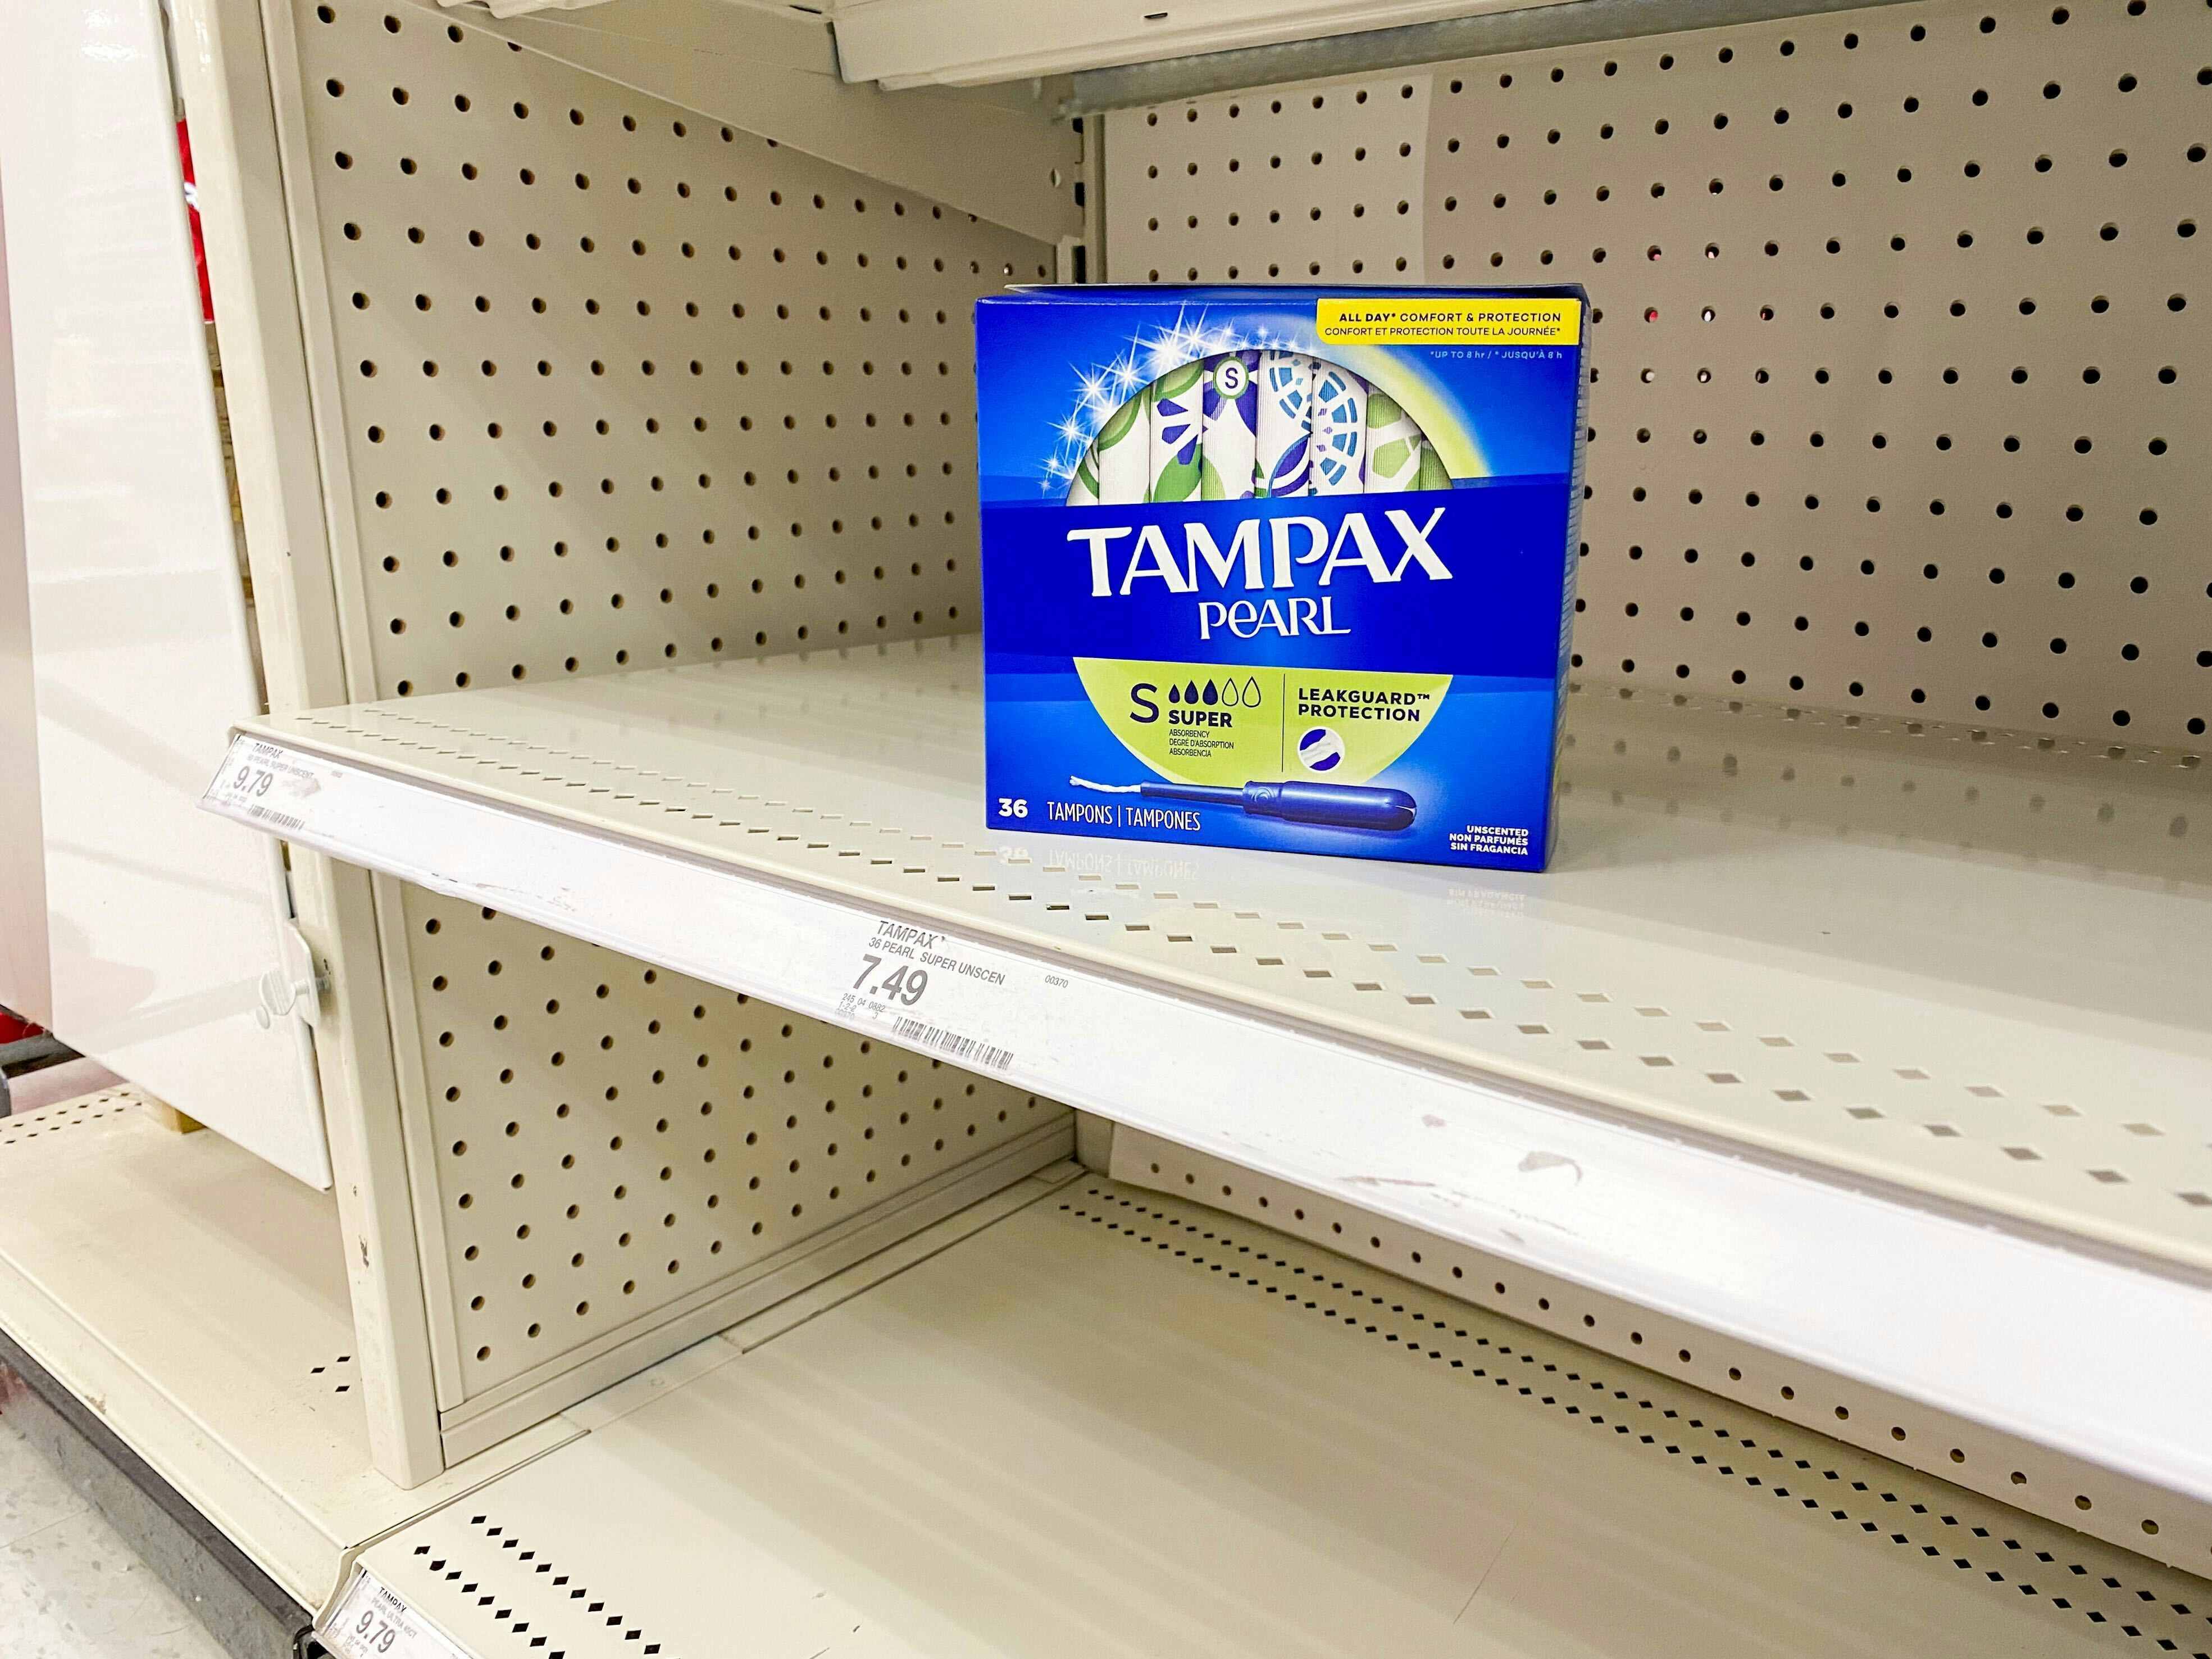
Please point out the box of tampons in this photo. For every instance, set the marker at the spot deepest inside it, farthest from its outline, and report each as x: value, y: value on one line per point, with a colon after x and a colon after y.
x: 1284, y: 568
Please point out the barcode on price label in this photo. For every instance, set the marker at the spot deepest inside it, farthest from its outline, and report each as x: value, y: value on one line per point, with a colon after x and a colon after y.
x: 973, y: 1051
x: 371, y: 1622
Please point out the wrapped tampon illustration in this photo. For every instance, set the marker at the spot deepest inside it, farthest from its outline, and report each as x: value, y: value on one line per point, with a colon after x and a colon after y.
x: 1395, y: 446
x: 1240, y: 425
x: 1176, y: 419
x: 1285, y: 426
x: 1337, y: 454
x: 1083, y: 487
x: 1121, y: 450
x: 1231, y: 440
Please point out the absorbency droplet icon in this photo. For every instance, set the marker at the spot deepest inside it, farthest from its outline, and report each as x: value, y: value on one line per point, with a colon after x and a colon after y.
x: 1232, y: 694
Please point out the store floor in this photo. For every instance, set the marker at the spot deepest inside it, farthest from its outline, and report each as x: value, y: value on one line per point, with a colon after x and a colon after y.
x: 69, y: 1587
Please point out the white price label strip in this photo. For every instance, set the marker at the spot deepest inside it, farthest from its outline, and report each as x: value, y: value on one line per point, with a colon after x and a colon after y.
x: 370, y: 1622
x: 266, y: 785
x: 926, y: 990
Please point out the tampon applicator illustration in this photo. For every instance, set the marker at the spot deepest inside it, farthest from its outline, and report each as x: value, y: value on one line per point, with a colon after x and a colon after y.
x: 1340, y: 806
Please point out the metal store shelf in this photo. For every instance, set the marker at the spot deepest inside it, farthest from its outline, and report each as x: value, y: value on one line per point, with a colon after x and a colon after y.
x: 194, y: 1297
x: 1880, y: 1043
x: 1115, y: 1423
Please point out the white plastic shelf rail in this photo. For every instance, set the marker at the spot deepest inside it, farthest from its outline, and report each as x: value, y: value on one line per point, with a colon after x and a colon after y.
x: 1881, y: 1044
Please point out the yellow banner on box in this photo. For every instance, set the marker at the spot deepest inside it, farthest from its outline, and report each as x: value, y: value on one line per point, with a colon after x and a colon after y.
x: 1447, y: 322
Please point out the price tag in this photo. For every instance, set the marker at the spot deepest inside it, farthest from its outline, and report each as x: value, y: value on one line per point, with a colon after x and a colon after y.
x: 370, y: 1622
x: 264, y: 785
x: 975, y: 1006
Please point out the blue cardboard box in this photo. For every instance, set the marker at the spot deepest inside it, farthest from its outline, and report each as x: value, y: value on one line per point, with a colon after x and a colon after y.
x: 1281, y: 568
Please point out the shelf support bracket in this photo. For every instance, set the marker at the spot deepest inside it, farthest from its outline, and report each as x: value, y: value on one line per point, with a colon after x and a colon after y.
x: 294, y: 986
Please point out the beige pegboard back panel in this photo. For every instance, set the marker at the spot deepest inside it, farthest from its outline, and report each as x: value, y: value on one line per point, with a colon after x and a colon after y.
x: 614, y: 385
x: 622, y: 386
x: 1902, y: 366
x: 614, y: 1141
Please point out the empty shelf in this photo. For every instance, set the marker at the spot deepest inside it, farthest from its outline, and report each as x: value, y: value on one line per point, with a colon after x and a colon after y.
x: 1883, y: 1043
x: 1115, y: 1425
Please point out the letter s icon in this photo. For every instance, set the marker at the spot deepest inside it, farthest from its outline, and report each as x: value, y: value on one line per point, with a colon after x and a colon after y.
x: 1142, y: 695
